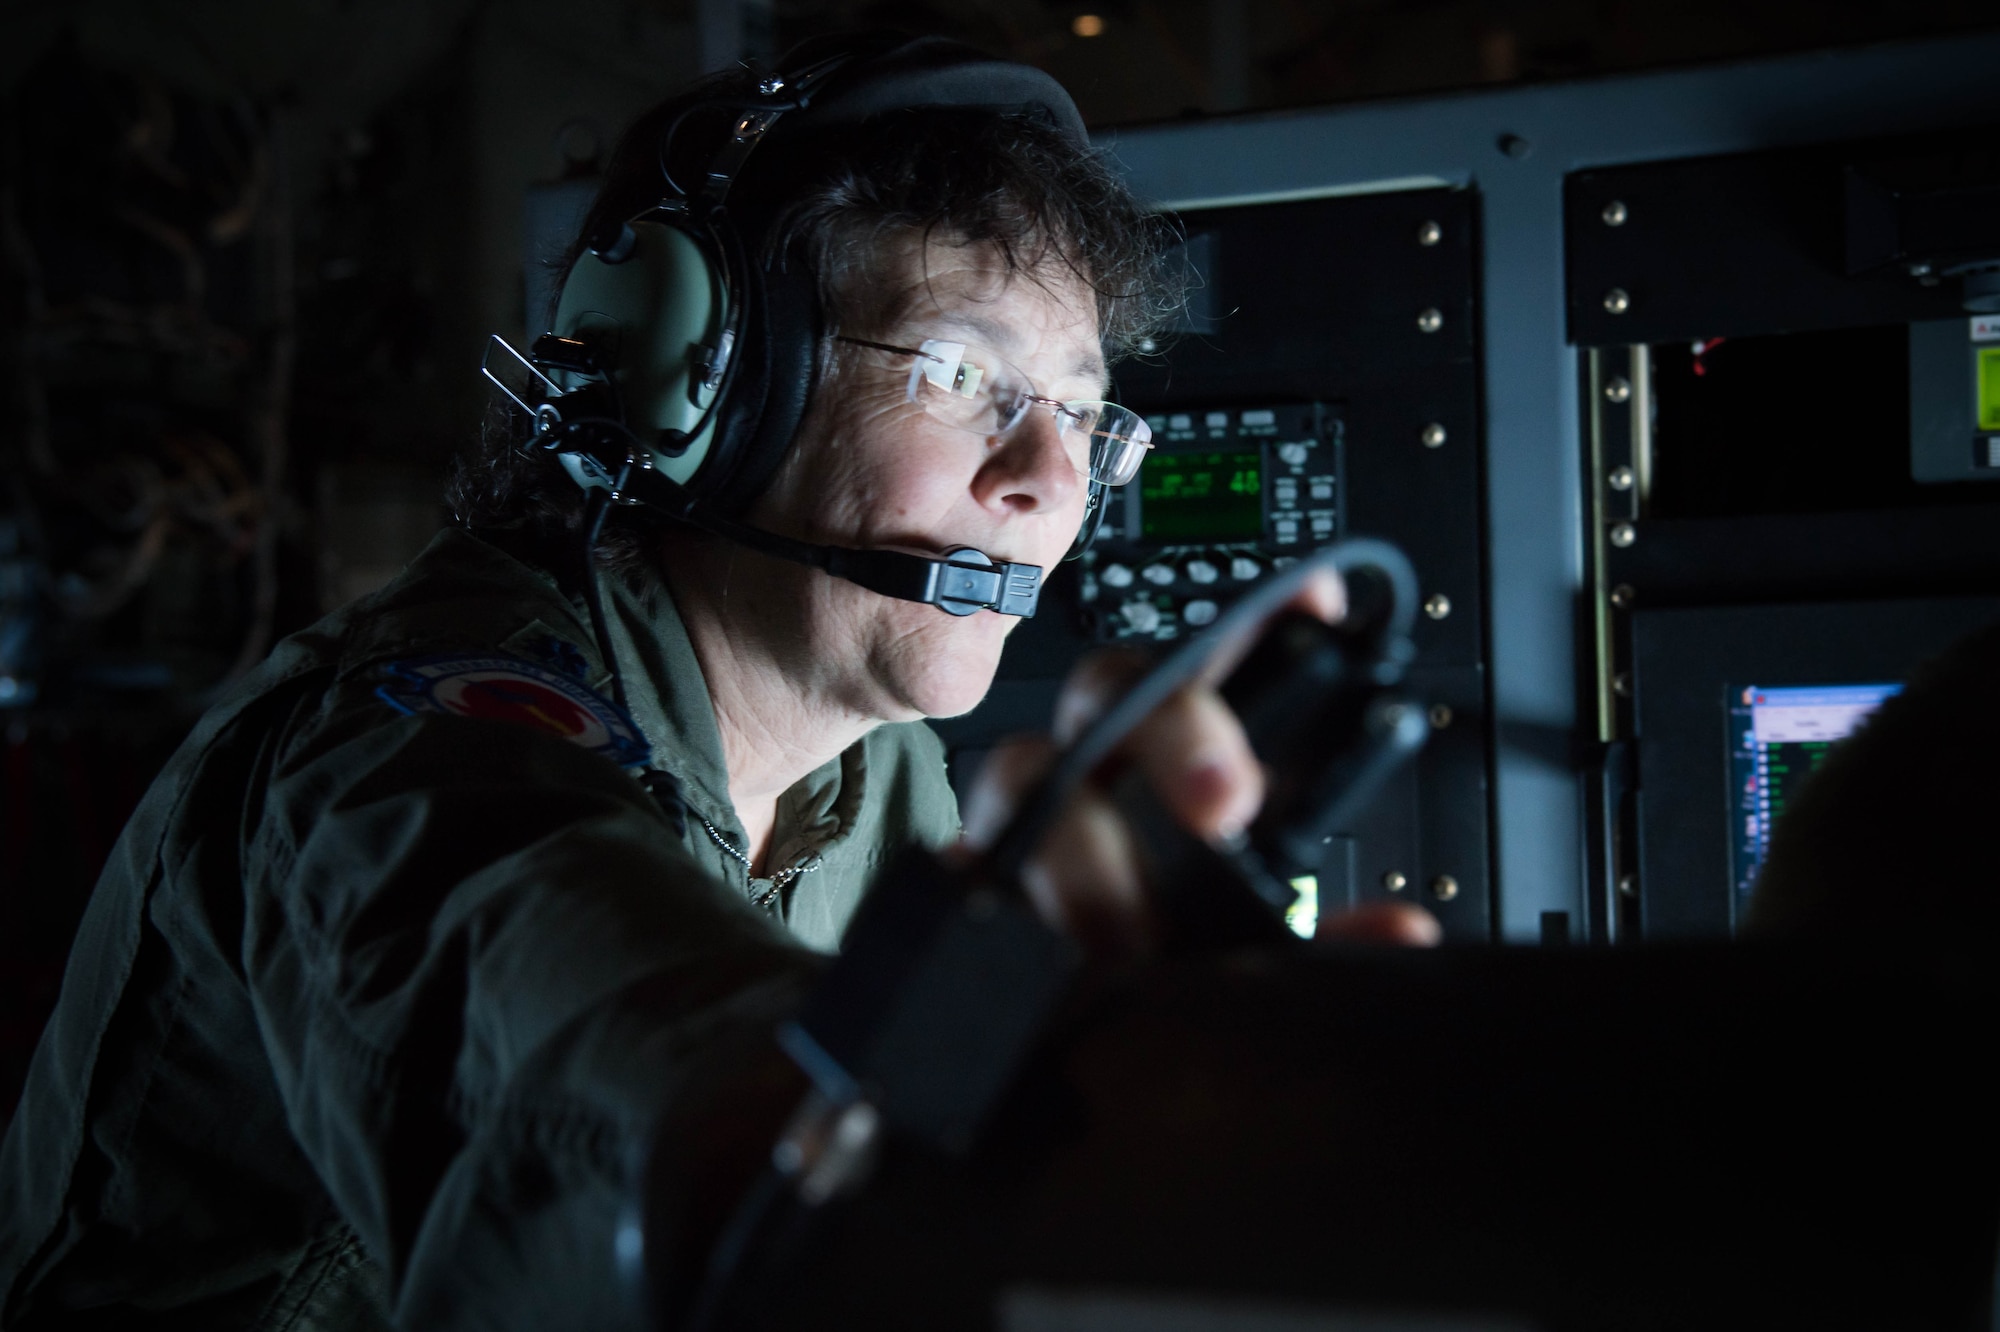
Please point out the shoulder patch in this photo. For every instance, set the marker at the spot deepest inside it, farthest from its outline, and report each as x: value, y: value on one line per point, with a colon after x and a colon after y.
x: 508, y: 689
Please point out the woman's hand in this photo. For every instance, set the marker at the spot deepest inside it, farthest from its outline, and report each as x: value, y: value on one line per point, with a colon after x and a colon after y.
x: 1087, y: 876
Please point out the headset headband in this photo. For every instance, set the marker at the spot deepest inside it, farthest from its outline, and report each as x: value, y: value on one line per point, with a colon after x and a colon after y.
x: 884, y: 75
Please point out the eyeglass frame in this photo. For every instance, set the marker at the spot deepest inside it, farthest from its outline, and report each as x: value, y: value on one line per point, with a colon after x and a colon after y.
x: 1057, y: 407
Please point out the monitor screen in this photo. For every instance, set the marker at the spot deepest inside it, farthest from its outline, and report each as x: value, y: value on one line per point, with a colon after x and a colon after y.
x: 1988, y: 405
x: 1778, y: 737
x: 1202, y: 496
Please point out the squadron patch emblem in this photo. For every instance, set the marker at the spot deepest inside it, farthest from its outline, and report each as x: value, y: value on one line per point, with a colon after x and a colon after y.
x: 511, y: 690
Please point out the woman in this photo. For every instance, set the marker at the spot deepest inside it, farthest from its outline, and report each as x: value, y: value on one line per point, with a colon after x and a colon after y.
x: 398, y: 964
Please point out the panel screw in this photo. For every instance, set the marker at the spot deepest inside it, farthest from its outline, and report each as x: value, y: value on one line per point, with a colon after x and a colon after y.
x: 1430, y: 321
x: 1620, y: 478
x: 1623, y: 535
x: 1614, y: 213
x: 1515, y: 146
x: 1628, y: 885
x: 1619, y: 389
x: 1433, y: 436
x: 1437, y: 605
x: 1430, y: 233
x: 1621, y: 684
x: 1444, y: 887
x: 1616, y: 301
x: 1623, y: 596
x: 1440, y: 716
x: 1394, y: 881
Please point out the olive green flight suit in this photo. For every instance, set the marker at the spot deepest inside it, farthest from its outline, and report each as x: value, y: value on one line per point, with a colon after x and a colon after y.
x: 375, y: 1002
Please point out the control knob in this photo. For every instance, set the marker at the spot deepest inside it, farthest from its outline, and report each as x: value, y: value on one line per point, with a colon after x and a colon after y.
x: 1201, y: 571
x: 1116, y: 575
x: 1243, y: 569
x: 1141, y: 617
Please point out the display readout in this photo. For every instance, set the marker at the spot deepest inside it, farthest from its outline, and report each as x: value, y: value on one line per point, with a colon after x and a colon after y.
x: 1989, y: 388
x: 1202, y: 496
x: 1779, y: 737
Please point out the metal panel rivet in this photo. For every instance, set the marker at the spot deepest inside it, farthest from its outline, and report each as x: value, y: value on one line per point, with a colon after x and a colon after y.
x: 1621, y: 684
x: 1623, y: 595
x: 1433, y: 436
x: 1440, y: 716
x: 1617, y: 301
x: 1620, y: 478
x: 1431, y: 320
x: 1430, y: 233
x: 1437, y: 605
x: 1394, y: 881
x: 1628, y: 885
x: 1444, y: 887
x: 1623, y: 535
x: 1514, y: 146
x: 1619, y: 389
x: 1614, y: 213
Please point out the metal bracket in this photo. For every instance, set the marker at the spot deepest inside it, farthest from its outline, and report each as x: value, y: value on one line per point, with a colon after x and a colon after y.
x: 527, y: 380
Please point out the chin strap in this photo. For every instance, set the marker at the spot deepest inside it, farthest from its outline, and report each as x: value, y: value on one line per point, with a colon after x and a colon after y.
x: 1093, y: 518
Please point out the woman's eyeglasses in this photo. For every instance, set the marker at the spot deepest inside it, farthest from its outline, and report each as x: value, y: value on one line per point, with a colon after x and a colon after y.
x: 973, y: 389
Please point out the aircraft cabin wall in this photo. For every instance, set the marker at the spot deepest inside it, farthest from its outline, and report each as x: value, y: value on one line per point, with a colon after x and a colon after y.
x: 1672, y: 389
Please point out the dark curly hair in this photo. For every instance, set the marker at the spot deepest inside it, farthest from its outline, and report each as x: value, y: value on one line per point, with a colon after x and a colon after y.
x: 842, y: 205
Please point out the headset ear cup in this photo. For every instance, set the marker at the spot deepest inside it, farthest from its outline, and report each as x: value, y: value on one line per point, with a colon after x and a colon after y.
x: 775, y: 382
x: 652, y: 309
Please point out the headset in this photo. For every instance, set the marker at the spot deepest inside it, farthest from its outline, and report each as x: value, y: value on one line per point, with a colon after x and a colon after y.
x: 680, y: 365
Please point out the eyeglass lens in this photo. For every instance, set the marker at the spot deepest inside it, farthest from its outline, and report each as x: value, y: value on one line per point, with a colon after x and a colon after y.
x: 973, y: 389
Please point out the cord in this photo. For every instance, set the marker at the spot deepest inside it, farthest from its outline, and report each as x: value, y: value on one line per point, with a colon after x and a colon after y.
x: 593, y: 523
x: 750, y: 1223
x: 1038, y: 812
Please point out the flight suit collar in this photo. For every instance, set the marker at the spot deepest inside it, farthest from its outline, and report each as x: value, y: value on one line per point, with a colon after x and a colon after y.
x: 665, y: 690
x: 668, y: 696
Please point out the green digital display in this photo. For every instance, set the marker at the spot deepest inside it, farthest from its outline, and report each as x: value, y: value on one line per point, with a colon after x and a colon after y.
x: 1989, y: 388
x: 1202, y: 496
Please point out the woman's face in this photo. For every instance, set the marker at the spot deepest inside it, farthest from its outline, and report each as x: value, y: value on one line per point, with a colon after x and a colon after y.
x: 871, y: 470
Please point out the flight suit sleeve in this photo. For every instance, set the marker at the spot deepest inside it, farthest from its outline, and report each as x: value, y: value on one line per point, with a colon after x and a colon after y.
x: 483, y: 965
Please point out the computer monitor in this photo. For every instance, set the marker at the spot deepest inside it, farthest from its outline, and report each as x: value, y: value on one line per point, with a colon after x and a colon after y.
x: 1734, y: 706
x: 1779, y: 736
